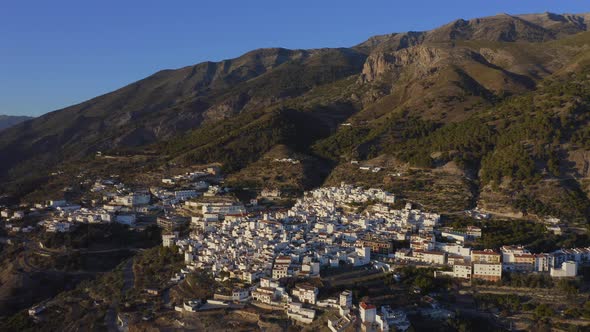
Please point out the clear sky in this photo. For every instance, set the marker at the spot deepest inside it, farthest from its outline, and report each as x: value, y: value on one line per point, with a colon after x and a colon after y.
x: 61, y: 52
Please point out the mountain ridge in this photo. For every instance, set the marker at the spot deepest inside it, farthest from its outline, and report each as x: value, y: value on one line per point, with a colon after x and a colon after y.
x: 7, y: 121
x: 390, y: 90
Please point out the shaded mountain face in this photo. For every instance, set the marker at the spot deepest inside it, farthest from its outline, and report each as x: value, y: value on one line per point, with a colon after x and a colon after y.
x: 393, y: 92
x: 173, y: 101
x: 7, y: 121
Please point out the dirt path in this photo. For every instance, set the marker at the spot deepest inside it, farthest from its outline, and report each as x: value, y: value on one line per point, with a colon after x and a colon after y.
x: 548, y: 295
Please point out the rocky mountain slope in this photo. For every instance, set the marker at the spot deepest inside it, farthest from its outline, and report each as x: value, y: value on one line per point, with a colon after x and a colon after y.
x: 502, y: 98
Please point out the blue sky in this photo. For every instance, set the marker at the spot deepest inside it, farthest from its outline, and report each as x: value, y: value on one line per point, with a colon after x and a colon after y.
x: 57, y: 53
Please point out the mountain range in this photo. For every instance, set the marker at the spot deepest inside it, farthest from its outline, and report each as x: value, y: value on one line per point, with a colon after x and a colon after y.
x: 10, y: 120
x: 490, y: 112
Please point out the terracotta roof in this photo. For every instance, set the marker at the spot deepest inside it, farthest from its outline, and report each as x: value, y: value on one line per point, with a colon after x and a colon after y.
x: 485, y: 252
x: 367, y: 306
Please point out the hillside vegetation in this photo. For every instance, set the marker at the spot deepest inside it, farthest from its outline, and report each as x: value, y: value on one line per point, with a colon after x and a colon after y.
x: 490, y: 112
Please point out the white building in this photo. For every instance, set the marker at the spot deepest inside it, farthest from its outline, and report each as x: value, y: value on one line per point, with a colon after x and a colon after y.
x: 367, y: 312
x: 297, y: 312
x: 183, y: 195
x: 568, y: 269
x: 340, y: 324
x: 34, y: 311
x: 240, y: 295
x: 462, y: 271
x: 18, y: 215
x: 306, y: 293
x: 134, y: 199
x: 263, y: 294
x: 434, y: 257
x: 168, y: 239
x: 345, y: 299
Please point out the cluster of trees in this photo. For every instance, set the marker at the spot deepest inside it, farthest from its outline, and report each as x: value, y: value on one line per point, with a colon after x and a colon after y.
x: 104, y: 235
x: 504, y: 302
x: 571, y: 205
x: 527, y: 280
x: 295, y: 77
x: 511, y: 140
x: 543, y: 310
x: 202, y: 284
x: 344, y: 142
x: 157, y: 265
x: 468, y: 141
x: 237, y: 147
x: 502, y: 232
x: 366, y: 141
x: 106, y: 286
x: 582, y: 137
x: 577, y: 311
x: 423, y: 278
x: 513, y: 161
x: 528, y: 204
x: 551, y: 242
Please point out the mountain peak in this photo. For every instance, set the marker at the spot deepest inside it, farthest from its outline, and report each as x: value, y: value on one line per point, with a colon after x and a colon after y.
x: 172, y: 102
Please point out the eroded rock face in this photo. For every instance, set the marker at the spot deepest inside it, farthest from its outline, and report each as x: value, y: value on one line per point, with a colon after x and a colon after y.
x: 227, y: 108
x: 497, y: 57
x: 421, y: 58
x: 580, y: 162
x: 505, y: 28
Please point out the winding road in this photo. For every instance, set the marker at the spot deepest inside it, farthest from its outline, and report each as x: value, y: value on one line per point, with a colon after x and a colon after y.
x: 113, y: 311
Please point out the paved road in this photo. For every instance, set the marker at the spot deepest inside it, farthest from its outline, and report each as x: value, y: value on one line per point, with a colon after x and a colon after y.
x: 113, y: 311
x: 128, y: 276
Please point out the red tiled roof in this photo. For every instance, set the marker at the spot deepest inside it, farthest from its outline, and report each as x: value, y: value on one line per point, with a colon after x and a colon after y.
x: 434, y: 253
x: 484, y: 252
x: 367, y: 306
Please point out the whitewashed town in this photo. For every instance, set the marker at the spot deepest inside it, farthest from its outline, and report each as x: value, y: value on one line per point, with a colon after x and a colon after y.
x: 262, y: 248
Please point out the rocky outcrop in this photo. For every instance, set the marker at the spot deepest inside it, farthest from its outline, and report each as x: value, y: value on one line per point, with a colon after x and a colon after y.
x: 505, y: 28
x: 499, y: 58
x: 421, y: 58
x: 579, y: 160
x: 226, y: 108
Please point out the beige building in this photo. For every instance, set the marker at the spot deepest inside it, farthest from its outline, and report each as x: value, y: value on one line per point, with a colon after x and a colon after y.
x: 485, y: 256
x: 434, y: 257
x: 461, y: 270
x: 487, y: 271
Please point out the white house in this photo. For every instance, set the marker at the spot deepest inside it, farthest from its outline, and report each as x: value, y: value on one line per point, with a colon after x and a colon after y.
x: 434, y: 257
x: 183, y: 195
x: 263, y: 294
x: 345, y: 299
x: 168, y: 239
x: 567, y: 269
x: 340, y: 324
x: 297, y: 312
x: 34, y: 311
x: 240, y: 295
x: 462, y: 271
x: 368, y: 312
x: 306, y: 293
